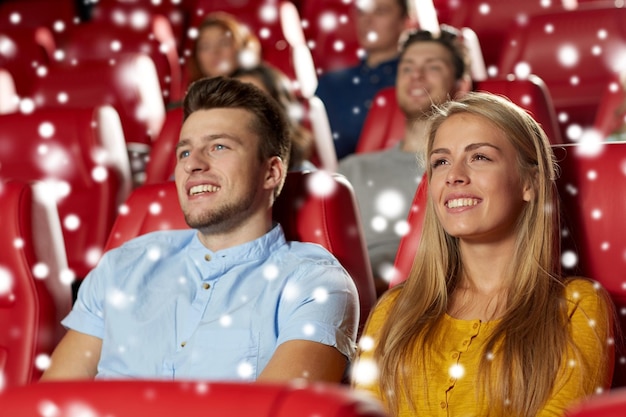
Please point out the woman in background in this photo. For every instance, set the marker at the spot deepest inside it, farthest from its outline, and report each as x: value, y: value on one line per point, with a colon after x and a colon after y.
x: 485, y: 324
x: 222, y: 46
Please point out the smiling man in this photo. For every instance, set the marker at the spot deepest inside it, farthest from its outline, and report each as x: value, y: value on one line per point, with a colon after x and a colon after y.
x: 229, y: 299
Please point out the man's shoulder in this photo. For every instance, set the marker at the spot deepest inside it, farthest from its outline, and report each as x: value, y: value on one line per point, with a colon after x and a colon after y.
x: 362, y: 161
x: 160, y: 238
x: 308, y: 251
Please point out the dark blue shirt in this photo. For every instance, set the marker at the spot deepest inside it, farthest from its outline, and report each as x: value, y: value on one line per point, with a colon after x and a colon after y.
x: 347, y: 95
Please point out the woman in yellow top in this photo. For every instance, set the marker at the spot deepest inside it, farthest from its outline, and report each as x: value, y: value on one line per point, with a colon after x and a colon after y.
x: 485, y: 325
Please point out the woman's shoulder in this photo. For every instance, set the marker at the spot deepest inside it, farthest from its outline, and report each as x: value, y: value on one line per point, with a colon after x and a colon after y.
x: 586, y: 294
x: 382, y: 309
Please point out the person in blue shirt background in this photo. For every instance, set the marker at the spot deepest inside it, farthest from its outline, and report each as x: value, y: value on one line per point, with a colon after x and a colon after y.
x: 228, y: 299
x: 348, y: 93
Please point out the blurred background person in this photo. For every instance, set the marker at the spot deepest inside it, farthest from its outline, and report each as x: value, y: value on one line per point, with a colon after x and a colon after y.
x: 348, y: 93
x: 222, y: 46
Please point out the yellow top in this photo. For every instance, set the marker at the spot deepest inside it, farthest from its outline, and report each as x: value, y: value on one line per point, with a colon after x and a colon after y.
x: 452, y: 370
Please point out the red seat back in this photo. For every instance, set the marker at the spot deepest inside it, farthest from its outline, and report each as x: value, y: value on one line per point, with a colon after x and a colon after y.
x: 36, y: 13
x: 161, y: 164
x: 611, y: 113
x: 329, y: 220
x: 131, y: 398
x: 129, y: 85
x: 610, y: 404
x: 330, y: 31
x: 154, y: 39
x: 67, y: 148
x: 574, y: 52
x: 385, y: 123
x: 25, y: 52
x: 593, y: 193
x: 32, y: 298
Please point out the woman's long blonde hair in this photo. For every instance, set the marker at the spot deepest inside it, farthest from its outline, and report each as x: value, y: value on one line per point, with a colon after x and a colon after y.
x: 531, y: 336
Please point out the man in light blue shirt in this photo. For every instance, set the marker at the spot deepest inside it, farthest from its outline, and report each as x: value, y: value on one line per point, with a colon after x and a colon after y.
x: 229, y: 299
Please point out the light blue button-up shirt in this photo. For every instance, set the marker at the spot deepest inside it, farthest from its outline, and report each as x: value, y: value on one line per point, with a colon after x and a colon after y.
x: 167, y: 307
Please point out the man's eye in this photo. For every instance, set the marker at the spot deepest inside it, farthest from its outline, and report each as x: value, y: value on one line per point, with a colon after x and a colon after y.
x: 183, y: 154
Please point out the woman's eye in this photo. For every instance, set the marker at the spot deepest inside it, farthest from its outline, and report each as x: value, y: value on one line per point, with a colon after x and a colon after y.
x: 437, y: 162
x: 481, y: 157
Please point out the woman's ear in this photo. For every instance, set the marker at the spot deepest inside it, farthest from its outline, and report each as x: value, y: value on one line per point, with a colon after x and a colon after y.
x: 530, y: 183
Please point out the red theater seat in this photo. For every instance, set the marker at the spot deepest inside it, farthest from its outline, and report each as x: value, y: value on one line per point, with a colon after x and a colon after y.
x: 611, y: 113
x: 81, y: 153
x: 575, y: 52
x: 35, y: 13
x: 33, y: 298
x: 593, y: 194
x: 611, y: 404
x: 331, y: 221
x: 330, y: 31
x: 129, y: 85
x: 132, y: 398
x: 25, y: 53
x: 385, y: 123
x: 161, y: 162
x: 152, y: 37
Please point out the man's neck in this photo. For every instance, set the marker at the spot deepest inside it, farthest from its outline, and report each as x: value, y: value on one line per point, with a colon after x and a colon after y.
x: 415, y: 136
x: 375, y: 58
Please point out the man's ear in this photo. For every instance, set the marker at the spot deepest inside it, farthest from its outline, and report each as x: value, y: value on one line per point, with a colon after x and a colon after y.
x: 275, y: 173
x: 463, y: 86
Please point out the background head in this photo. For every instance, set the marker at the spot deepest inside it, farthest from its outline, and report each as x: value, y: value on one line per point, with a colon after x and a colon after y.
x: 269, y: 121
x: 433, y: 69
x: 380, y: 23
x: 223, y: 44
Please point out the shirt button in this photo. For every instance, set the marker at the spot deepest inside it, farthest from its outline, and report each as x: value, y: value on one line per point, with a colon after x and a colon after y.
x: 475, y: 326
x: 183, y: 344
x: 206, y: 285
x: 455, y: 355
x: 443, y: 405
x: 465, y: 342
x: 207, y: 257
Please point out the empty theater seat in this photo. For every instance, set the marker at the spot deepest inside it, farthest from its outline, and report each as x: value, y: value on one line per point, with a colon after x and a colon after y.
x: 26, y: 54
x: 575, y: 52
x: 35, y: 13
x: 152, y: 37
x: 161, y: 161
x: 129, y: 85
x: 33, y: 296
x: 131, y: 398
x: 329, y: 220
x: 592, y: 188
x: 80, y: 153
x: 611, y: 113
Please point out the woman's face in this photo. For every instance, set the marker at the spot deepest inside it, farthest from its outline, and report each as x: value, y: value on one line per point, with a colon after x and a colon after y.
x: 216, y: 51
x: 476, y: 184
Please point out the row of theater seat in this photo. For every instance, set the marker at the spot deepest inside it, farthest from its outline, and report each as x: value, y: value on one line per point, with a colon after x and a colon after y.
x: 319, y: 207
x: 591, y: 186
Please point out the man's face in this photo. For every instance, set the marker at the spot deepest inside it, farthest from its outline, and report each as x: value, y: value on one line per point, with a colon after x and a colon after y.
x: 219, y: 176
x: 379, y: 24
x: 426, y: 76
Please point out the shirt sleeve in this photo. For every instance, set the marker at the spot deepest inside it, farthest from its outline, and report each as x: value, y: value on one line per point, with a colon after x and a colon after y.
x: 320, y: 304
x: 588, y: 368
x: 87, y: 314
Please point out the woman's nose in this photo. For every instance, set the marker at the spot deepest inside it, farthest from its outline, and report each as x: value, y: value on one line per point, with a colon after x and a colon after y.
x: 457, y: 174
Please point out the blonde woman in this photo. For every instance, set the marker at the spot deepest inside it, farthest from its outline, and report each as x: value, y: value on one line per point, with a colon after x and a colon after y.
x: 485, y: 325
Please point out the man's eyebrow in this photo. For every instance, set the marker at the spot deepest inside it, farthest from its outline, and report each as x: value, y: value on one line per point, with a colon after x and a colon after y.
x: 185, y: 142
